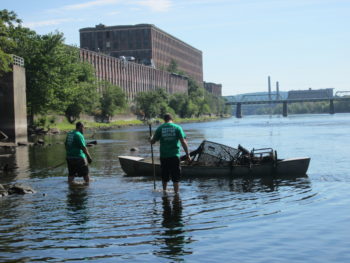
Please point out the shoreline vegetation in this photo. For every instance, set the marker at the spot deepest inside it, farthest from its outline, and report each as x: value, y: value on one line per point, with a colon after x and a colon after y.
x: 65, y: 126
x: 59, y: 84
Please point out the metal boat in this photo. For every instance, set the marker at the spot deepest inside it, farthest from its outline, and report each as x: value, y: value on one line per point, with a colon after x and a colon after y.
x: 213, y: 159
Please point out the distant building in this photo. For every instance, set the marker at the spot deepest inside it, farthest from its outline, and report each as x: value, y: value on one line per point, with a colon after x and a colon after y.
x: 213, y: 88
x: 132, y: 77
x: 310, y: 94
x: 145, y: 44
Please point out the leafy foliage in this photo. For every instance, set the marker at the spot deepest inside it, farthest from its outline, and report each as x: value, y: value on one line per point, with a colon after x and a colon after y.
x: 152, y: 104
x: 56, y: 79
x: 172, y: 67
x: 83, y: 95
x: 113, y: 98
x: 196, y: 102
x: 8, y: 21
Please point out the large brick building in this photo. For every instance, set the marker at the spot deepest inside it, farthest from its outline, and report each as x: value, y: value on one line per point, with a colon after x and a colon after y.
x: 133, y: 77
x: 146, y: 43
x: 213, y: 88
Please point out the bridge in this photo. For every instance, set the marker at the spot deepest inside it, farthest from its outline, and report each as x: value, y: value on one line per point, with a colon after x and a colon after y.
x: 277, y: 99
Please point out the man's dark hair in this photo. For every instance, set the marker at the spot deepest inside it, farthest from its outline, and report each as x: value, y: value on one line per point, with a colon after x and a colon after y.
x: 167, y: 117
x: 79, y: 124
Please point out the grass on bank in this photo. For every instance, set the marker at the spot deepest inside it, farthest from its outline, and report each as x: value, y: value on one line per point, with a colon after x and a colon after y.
x: 66, y: 126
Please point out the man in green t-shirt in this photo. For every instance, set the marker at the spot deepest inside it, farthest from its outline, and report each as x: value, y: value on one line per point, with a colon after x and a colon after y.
x: 170, y: 135
x: 78, y: 155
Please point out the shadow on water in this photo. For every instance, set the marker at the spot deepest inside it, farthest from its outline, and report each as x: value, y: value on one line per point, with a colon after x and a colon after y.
x: 173, y: 239
x: 268, y: 183
x: 14, y: 163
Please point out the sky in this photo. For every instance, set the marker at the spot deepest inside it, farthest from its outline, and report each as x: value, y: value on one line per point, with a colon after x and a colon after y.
x: 301, y: 44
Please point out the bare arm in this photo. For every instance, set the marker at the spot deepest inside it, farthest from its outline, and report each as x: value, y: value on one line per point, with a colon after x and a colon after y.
x: 185, y: 147
x: 85, y: 150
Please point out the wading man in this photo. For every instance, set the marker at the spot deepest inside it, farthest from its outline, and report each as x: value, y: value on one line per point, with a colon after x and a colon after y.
x: 170, y: 135
x: 78, y: 155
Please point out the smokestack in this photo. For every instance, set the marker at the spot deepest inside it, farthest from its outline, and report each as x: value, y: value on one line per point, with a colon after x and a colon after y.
x: 277, y: 90
x: 269, y: 86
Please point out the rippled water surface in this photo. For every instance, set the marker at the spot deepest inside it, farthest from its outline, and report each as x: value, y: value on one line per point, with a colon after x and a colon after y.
x: 119, y: 218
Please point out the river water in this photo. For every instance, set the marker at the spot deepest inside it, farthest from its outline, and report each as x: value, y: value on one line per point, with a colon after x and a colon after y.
x: 118, y: 218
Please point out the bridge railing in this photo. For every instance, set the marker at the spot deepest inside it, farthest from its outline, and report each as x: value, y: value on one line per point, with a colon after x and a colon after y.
x: 250, y: 98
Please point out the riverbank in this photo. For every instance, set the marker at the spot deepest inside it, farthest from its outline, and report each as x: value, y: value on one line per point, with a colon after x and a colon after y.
x: 64, y: 126
x: 90, y: 125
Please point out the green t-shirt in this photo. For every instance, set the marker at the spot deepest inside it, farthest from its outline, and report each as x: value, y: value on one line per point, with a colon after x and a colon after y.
x: 168, y: 134
x: 74, y: 143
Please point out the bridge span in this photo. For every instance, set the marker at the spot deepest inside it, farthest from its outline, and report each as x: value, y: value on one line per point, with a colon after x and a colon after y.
x: 285, y: 103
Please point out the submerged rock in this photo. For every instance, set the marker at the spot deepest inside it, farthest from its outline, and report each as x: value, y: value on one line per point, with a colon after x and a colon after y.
x: 134, y: 149
x: 20, y: 189
x: 54, y: 131
x: 3, y: 191
x: 40, y: 141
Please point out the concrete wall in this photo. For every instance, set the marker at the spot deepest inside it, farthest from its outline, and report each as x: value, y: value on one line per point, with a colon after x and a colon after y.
x: 13, y: 108
x: 132, y: 77
x: 213, y: 88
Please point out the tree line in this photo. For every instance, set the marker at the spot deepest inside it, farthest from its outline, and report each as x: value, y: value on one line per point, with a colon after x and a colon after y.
x: 58, y: 82
x: 196, y: 102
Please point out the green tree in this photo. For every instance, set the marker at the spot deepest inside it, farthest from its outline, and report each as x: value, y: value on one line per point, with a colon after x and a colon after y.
x: 179, y: 103
x: 83, y: 95
x: 172, y: 67
x: 113, y: 99
x: 56, y: 78
x: 8, y: 21
x: 48, y: 69
x: 152, y: 104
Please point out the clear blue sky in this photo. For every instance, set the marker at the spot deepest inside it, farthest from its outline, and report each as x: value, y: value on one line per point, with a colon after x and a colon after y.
x: 300, y: 43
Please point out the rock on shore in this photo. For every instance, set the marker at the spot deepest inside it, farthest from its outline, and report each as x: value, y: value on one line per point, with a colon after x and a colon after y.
x: 16, y: 188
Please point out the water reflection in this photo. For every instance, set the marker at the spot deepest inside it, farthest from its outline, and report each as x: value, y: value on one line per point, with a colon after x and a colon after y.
x: 253, y: 185
x: 14, y: 163
x: 173, y: 238
x: 77, y: 203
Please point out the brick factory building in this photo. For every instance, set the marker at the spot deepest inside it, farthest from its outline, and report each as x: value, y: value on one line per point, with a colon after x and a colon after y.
x: 213, y: 88
x: 133, y: 77
x: 147, y: 44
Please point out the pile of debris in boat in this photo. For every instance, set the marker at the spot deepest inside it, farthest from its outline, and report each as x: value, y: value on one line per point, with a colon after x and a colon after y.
x: 214, y: 154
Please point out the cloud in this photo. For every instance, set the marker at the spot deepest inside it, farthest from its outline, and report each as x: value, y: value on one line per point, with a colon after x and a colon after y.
x: 156, y: 5
x: 89, y: 4
x: 44, y: 23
